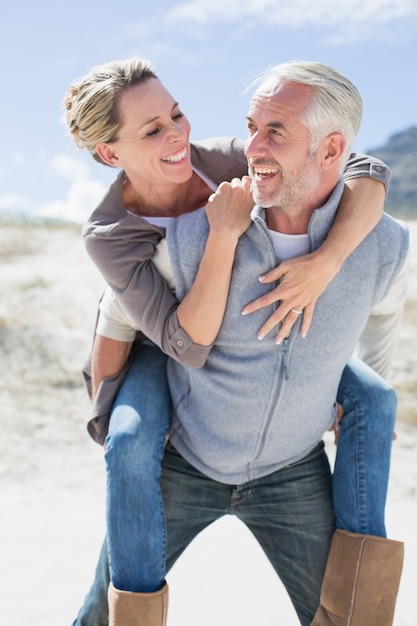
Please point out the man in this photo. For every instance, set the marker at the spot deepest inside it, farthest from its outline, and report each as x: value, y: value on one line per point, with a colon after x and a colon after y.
x: 247, y: 438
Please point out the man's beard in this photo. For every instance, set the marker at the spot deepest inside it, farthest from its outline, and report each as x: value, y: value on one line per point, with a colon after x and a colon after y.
x: 293, y: 189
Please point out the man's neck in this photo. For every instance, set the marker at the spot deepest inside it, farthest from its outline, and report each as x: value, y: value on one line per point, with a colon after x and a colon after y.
x: 295, y: 221
x: 281, y: 222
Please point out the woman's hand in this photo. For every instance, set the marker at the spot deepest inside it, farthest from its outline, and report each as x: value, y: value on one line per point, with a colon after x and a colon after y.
x: 302, y: 281
x: 229, y: 208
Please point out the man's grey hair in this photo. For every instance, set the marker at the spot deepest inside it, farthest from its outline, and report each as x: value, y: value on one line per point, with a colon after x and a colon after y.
x: 336, y: 105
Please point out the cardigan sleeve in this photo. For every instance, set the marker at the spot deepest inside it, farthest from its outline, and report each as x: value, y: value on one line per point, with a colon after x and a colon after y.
x: 362, y: 165
x: 124, y: 257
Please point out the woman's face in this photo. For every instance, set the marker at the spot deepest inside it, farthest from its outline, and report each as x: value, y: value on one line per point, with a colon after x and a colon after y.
x: 153, y: 140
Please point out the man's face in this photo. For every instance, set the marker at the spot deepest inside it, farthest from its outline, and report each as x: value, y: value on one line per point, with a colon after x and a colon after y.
x: 283, y: 170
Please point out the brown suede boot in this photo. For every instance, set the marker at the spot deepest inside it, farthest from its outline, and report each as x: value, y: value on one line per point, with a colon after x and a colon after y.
x: 127, y: 608
x: 361, y: 581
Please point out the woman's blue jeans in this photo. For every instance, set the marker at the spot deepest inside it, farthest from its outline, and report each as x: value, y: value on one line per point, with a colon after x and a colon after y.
x: 360, y: 483
x: 136, y: 534
x: 361, y: 472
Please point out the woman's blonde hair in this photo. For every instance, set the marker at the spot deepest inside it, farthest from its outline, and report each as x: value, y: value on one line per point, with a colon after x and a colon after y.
x: 90, y: 105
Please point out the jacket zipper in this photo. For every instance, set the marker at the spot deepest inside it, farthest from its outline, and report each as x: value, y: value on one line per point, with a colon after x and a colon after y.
x: 285, y: 357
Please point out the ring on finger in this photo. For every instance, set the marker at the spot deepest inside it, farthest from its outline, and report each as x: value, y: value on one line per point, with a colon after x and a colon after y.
x: 297, y: 311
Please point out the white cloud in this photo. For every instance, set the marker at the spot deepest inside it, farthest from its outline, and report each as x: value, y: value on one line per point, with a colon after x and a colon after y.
x: 294, y: 13
x: 13, y: 202
x: 81, y: 200
x: 339, y: 22
x: 70, y: 167
x: 82, y: 197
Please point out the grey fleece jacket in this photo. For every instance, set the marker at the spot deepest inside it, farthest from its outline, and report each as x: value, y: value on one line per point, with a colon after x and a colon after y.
x: 256, y: 407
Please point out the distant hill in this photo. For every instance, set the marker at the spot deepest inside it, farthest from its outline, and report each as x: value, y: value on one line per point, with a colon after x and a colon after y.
x: 400, y: 154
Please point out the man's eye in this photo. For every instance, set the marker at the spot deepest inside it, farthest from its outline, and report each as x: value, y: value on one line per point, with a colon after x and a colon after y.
x: 178, y: 115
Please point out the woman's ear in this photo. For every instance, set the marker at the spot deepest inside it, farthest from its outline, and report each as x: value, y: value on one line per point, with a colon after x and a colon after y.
x: 107, y: 154
x: 333, y: 149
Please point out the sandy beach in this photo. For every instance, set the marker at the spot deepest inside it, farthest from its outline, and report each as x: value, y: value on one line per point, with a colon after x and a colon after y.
x: 52, y: 474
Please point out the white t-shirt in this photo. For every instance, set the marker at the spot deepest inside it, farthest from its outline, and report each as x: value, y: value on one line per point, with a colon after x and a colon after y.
x: 288, y: 246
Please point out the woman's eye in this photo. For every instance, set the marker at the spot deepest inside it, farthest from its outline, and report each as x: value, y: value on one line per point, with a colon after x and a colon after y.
x: 157, y: 130
x: 153, y: 132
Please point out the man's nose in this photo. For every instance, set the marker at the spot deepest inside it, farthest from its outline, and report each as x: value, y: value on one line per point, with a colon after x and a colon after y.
x: 254, y: 146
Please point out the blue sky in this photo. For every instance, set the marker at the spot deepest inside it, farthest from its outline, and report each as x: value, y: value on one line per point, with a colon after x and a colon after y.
x: 206, y: 52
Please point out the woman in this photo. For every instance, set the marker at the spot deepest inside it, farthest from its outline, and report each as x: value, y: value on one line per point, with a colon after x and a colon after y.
x: 126, y: 118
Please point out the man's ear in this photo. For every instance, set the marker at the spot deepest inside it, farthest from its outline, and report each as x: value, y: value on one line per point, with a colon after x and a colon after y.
x: 333, y: 149
x: 107, y: 154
